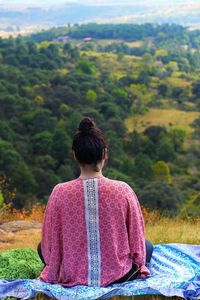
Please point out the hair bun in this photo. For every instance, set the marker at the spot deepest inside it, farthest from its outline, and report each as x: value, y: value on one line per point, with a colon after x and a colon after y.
x: 86, y: 125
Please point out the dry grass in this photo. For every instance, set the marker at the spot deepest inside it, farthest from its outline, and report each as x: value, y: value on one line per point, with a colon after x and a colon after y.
x: 168, y: 230
x: 158, y: 230
x: 135, y: 44
x: 163, y: 117
x: 175, y: 81
x: 23, y: 239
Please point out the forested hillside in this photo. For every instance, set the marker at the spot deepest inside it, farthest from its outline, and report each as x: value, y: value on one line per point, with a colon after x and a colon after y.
x: 141, y: 84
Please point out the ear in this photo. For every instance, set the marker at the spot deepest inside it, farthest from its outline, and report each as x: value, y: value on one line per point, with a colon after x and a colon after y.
x: 74, y: 155
x: 105, y: 154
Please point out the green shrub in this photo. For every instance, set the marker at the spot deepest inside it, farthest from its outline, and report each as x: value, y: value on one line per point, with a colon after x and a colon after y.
x: 20, y: 263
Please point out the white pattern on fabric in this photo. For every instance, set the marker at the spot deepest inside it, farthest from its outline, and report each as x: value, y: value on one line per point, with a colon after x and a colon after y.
x: 93, y: 237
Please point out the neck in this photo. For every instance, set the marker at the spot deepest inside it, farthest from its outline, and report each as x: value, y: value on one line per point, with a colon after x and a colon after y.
x: 89, y: 173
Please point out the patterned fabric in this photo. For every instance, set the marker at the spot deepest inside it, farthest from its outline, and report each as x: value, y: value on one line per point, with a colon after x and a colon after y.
x: 71, y: 257
x: 175, y: 271
x: 92, y: 223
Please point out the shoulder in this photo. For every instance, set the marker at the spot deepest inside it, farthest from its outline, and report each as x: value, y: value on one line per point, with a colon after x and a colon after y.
x: 60, y: 192
x: 119, y: 185
x: 65, y: 186
x: 61, y: 188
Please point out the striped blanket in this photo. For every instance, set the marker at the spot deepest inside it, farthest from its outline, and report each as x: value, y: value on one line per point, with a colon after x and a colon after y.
x: 175, y: 271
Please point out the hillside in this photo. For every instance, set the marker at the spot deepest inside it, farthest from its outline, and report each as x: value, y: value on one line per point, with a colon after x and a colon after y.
x: 169, y: 118
x: 47, y: 86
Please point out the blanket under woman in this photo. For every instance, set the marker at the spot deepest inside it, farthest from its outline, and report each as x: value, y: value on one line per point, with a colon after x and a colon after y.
x: 175, y: 271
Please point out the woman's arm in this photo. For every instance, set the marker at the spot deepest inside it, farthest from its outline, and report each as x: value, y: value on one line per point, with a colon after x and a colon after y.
x: 136, y: 232
x: 47, y: 226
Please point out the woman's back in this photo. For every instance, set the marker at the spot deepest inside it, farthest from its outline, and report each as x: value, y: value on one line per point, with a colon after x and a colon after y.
x: 92, y: 232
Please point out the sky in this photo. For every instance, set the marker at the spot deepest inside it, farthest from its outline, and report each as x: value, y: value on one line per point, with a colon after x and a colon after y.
x: 47, y: 3
x: 49, y: 13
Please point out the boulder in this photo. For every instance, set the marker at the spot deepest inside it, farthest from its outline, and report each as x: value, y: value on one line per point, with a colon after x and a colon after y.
x: 14, y: 226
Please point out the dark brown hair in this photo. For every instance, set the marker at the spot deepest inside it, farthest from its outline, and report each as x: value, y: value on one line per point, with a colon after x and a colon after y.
x: 89, y: 143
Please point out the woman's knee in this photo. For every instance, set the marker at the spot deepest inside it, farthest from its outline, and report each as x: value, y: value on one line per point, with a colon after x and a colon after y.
x: 39, y: 250
x: 149, y: 251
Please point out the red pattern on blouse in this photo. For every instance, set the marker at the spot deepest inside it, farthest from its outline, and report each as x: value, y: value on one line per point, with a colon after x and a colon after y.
x: 64, y: 235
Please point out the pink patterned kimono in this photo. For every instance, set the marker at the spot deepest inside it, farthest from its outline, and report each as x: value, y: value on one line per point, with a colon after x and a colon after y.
x: 92, y: 232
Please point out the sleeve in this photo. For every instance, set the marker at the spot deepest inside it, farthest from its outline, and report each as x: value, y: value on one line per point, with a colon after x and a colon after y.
x: 136, y: 233
x: 135, y: 226
x: 47, y: 226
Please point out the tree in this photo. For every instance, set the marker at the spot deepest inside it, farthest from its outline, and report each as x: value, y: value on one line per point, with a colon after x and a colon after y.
x: 121, y: 98
x: 117, y: 175
x: 7, y: 189
x: 23, y: 179
x: 196, y: 125
x: 109, y: 110
x: 135, y: 143
x: 1, y: 199
x: 172, y: 66
x: 8, y: 105
x: 196, y: 89
x: 164, y: 89
x: 118, y: 126
x: 6, y: 133
x: 155, y: 132
x: 86, y: 66
x: 39, y: 100
x: 61, y: 144
x: 128, y: 167
x: 165, y: 150
x: 66, y: 172
x: 161, y: 172
x: 161, y: 196
x: 115, y: 155
x: 45, y: 182
x: 177, y: 136
x: 9, y: 158
x: 143, y: 166
x: 38, y: 120
x: 42, y: 142
x: 91, y: 97
x: 46, y: 162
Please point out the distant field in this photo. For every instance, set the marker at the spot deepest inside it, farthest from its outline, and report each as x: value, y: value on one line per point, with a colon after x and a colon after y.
x: 163, y: 117
x: 135, y: 44
x: 106, y: 42
x: 175, y: 81
x: 109, y: 55
x: 110, y: 63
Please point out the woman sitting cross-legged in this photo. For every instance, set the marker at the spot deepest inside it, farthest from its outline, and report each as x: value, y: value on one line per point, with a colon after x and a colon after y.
x: 93, y: 228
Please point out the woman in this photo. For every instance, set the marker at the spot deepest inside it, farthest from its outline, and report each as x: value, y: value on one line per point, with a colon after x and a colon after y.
x: 93, y: 229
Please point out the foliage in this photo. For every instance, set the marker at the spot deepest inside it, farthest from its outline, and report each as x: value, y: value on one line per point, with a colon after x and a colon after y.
x: 161, y: 172
x: 161, y: 196
x: 1, y: 199
x: 20, y: 264
x: 145, y: 73
x: 8, y: 213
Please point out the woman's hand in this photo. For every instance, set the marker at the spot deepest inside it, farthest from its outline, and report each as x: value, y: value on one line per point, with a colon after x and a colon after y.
x: 143, y: 272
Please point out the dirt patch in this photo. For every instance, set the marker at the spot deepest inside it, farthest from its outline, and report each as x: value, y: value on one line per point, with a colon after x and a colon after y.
x: 6, y: 237
x: 28, y: 238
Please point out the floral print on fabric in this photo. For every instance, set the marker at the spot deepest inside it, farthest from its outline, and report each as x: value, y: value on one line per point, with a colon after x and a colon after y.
x: 118, y: 229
